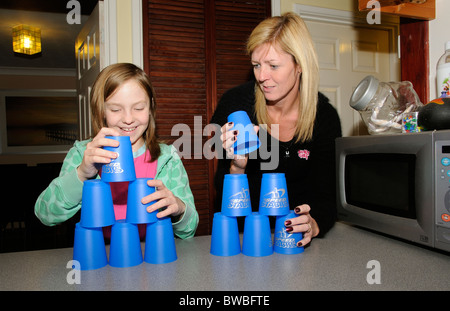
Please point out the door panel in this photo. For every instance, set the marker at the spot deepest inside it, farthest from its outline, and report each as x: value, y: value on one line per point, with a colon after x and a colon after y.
x: 87, y: 48
x: 347, y: 54
x: 349, y: 49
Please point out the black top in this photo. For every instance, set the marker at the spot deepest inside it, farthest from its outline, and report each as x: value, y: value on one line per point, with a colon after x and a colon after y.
x: 309, y: 167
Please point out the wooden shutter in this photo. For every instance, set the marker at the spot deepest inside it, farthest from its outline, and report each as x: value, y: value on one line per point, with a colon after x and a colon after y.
x: 195, y: 51
x: 235, y: 21
x: 176, y: 66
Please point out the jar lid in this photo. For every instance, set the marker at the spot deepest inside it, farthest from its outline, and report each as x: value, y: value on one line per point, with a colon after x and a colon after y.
x: 364, y: 93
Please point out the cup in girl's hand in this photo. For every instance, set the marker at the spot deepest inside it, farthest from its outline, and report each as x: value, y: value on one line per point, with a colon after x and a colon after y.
x: 236, y: 196
x: 225, y: 236
x: 160, y: 242
x: 97, y: 209
x: 136, y: 211
x: 273, y: 200
x: 286, y: 242
x: 257, y: 240
x: 125, y: 247
x: 122, y: 167
x: 247, y: 140
x: 89, y: 248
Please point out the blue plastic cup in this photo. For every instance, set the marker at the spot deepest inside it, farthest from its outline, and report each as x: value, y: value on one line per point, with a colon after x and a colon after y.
x: 225, y: 236
x: 97, y: 209
x: 257, y: 241
x: 274, y: 200
x: 121, y: 168
x: 236, y: 196
x: 136, y: 211
x: 247, y: 140
x: 89, y: 248
x: 285, y: 242
x: 125, y: 247
x: 160, y: 242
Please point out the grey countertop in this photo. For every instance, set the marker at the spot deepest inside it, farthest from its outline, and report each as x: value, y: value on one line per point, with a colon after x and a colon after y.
x: 337, y: 262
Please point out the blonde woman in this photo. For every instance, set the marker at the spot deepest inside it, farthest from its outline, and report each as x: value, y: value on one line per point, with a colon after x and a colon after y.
x: 285, y: 98
x: 123, y: 104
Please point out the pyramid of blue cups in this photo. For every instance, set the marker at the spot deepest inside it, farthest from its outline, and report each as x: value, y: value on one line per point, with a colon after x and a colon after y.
x: 97, y: 212
x: 257, y: 236
x: 274, y: 202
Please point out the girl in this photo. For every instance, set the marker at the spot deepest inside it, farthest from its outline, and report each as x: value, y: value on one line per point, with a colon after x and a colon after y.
x: 123, y: 104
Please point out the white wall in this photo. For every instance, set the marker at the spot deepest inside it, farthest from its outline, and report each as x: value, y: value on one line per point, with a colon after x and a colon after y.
x: 124, y: 23
x: 344, y: 5
x: 439, y: 28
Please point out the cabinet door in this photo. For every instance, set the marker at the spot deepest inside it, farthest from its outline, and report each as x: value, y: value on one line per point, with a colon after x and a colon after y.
x: 421, y: 9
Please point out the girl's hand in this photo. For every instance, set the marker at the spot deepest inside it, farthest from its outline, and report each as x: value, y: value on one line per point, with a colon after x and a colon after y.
x: 303, y: 223
x: 164, y: 198
x: 95, y: 155
x: 228, y: 138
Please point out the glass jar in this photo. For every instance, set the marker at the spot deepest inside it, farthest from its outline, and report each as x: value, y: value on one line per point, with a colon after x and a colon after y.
x: 381, y: 104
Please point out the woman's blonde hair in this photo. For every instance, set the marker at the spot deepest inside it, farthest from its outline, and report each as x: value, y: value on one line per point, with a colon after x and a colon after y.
x: 107, y: 83
x: 289, y: 32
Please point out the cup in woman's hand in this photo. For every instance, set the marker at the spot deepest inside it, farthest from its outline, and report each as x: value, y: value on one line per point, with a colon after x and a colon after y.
x: 286, y: 242
x: 247, y: 140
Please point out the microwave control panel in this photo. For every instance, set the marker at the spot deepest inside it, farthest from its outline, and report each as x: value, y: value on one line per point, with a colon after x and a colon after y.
x: 442, y: 182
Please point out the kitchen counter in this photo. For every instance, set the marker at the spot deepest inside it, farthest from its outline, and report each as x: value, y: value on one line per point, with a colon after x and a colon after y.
x: 340, y: 261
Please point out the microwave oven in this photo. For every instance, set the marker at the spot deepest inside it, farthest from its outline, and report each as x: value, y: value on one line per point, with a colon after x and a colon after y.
x: 397, y: 184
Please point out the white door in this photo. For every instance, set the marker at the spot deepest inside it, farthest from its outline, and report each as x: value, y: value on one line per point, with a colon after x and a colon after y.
x: 349, y: 49
x: 89, y: 49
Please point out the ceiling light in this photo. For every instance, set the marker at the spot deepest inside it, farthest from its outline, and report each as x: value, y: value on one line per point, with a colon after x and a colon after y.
x: 26, y: 39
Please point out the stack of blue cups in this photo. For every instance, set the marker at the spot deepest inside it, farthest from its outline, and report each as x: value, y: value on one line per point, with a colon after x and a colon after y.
x: 257, y: 238
x: 274, y: 201
x: 97, y: 211
x: 236, y: 202
x: 159, y: 238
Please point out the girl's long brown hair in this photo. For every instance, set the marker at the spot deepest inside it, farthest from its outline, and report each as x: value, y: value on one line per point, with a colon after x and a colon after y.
x: 106, y: 84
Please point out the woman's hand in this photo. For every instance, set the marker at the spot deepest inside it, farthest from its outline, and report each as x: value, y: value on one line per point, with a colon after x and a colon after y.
x: 163, y: 197
x: 95, y: 154
x: 303, y: 223
x: 228, y: 138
